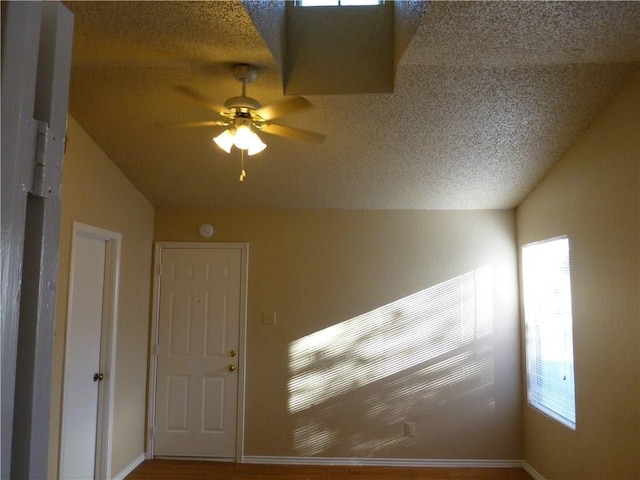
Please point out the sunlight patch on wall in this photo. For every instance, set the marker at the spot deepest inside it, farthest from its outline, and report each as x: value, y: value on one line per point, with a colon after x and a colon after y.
x: 363, y: 444
x: 312, y: 438
x: 433, y: 325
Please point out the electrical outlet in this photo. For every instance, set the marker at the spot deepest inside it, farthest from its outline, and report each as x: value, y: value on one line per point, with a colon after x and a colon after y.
x: 409, y: 429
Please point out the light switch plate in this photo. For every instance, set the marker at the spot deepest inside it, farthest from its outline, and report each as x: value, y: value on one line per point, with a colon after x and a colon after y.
x: 269, y: 318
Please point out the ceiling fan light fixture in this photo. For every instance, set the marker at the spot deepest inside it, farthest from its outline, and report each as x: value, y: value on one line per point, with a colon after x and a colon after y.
x: 242, y: 137
x: 225, y: 140
x: 246, y: 138
x: 255, y: 144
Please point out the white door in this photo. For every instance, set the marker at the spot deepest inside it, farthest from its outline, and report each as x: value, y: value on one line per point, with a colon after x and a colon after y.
x: 82, y: 360
x: 85, y: 444
x: 198, y: 352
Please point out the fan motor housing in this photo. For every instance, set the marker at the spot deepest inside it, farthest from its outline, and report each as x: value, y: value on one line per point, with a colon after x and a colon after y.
x: 242, y: 102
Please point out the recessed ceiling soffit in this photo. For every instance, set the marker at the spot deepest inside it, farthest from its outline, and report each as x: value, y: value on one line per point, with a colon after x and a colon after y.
x: 334, y: 50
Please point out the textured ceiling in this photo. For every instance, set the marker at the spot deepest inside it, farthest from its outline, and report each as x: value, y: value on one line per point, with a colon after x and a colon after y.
x: 488, y: 96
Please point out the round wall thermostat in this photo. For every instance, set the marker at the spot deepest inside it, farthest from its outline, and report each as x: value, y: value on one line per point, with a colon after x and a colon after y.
x: 206, y: 230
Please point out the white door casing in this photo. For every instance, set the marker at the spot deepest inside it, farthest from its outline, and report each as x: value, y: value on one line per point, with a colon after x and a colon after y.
x: 198, y: 370
x: 36, y: 66
x: 86, y: 426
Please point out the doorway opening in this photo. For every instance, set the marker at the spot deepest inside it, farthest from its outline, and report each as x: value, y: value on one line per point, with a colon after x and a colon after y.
x: 89, y: 360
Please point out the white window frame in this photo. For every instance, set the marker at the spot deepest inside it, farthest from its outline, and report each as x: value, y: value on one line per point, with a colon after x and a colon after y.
x: 338, y: 3
x: 546, y: 281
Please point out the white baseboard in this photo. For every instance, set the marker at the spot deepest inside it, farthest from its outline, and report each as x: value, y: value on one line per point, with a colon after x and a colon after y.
x: 130, y: 468
x: 369, y: 462
x: 532, y: 471
x: 386, y: 462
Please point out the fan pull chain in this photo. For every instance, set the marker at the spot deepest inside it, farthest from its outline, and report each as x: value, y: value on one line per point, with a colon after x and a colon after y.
x: 243, y: 174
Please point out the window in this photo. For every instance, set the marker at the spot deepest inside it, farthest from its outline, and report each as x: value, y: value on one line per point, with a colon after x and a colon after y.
x: 546, y: 279
x: 337, y: 3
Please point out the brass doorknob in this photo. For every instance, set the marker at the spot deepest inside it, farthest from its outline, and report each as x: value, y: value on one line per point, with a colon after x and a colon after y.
x: 232, y: 367
x: 232, y: 353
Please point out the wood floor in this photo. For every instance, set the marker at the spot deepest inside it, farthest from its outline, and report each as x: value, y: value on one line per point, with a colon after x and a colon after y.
x: 192, y: 470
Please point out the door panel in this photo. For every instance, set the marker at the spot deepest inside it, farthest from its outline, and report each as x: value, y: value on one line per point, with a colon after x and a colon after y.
x: 214, y: 336
x: 177, y: 402
x: 212, y: 420
x: 82, y: 359
x: 179, y: 324
x: 198, y: 327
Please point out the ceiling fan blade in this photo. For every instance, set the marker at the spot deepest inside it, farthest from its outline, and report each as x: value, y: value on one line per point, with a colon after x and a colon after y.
x: 284, y: 107
x: 206, y: 123
x: 200, y: 98
x: 295, y: 133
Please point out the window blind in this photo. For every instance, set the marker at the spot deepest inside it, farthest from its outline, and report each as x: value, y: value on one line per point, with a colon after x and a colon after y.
x: 549, y: 329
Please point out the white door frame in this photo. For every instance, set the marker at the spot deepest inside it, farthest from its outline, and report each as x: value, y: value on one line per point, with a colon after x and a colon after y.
x: 153, y: 345
x: 36, y: 67
x: 108, y: 336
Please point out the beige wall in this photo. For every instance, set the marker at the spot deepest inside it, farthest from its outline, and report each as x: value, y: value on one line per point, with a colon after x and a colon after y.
x: 95, y: 192
x: 592, y: 195
x: 317, y: 269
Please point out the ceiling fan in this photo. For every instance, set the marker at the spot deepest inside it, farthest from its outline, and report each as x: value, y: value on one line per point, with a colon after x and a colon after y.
x: 243, y: 116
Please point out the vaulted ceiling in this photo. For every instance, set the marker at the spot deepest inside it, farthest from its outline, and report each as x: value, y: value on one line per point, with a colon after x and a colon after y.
x: 471, y: 107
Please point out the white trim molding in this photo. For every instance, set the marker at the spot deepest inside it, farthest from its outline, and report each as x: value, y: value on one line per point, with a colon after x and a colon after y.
x: 384, y: 462
x: 130, y: 468
x: 532, y: 471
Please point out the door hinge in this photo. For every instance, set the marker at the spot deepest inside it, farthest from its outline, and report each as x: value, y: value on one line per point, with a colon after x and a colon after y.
x: 158, y: 269
x: 155, y: 349
x: 40, y: 187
